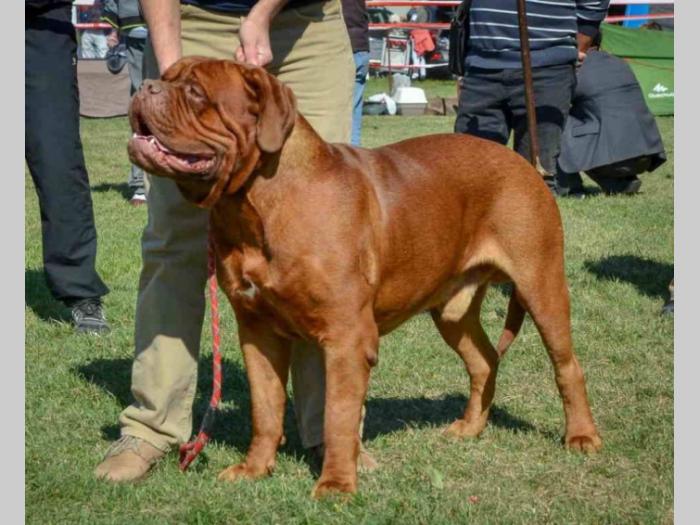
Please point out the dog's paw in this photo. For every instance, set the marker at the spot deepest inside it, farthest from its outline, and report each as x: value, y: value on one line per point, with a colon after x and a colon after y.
x: 327, y: 488
x: 240, y: 471
x: 583, y: 443
x: 462, y: 429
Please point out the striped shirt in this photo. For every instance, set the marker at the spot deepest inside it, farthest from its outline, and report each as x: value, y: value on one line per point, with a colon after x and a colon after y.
x: 494, y: 41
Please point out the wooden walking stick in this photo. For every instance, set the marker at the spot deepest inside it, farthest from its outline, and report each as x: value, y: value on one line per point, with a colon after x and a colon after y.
x: 529, y: 90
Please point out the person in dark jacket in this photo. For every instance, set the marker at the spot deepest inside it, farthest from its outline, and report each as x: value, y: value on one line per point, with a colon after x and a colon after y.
x: 492, y: 93
x: 610, y: 134
x: 54, y: 155
x: 125, y: 17
x: 357, y: 22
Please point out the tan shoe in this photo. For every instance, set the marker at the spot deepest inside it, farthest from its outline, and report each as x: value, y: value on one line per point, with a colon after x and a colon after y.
x: 128, y: 459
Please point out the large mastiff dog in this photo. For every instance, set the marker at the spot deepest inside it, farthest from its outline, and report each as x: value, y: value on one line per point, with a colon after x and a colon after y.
x: 339, y: 245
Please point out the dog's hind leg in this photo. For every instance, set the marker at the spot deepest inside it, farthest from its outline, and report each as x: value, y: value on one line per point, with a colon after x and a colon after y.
x: 266, y: 359
x: 514, y: 321
x: 545, y: 296
x: 467, y: 337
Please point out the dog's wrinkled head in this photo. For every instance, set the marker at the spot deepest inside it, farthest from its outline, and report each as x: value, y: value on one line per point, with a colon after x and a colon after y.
x: 206, y: 123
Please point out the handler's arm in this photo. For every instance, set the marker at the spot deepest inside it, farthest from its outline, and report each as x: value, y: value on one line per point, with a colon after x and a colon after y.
x: 163, y: 20
x: 255, y: 33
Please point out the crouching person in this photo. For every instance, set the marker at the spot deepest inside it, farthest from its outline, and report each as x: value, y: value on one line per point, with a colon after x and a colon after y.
x: 610, y: 134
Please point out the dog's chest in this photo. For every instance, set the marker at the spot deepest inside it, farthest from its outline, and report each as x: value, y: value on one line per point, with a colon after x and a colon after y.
x: 242, y: 273
x: 247, y: 279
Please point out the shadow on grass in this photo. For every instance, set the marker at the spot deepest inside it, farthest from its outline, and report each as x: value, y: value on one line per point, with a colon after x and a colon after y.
x: 385, y: 416
x: 232, y: 426
x: 39, y: 299
x: 122, y: 188
x: 650, y: 277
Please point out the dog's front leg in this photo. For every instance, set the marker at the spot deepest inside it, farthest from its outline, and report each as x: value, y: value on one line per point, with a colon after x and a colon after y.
x: 266, y: 359
x: 349, y: 355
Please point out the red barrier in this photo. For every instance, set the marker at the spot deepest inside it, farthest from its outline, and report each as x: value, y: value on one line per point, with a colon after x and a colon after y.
x: 93, y: 25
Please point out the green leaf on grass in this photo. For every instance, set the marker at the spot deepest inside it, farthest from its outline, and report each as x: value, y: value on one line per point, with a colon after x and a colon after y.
x: 437, y: 480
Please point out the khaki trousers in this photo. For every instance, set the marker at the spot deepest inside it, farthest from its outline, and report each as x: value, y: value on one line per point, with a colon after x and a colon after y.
x: 312, y: 55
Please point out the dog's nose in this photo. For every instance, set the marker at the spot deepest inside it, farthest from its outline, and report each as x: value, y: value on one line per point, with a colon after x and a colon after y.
x: 152, y: 87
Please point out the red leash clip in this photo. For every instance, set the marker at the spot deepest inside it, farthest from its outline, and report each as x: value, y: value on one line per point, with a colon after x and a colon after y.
x: 189, y: 451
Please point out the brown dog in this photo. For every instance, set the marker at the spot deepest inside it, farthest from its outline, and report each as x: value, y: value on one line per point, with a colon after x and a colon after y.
x: 338, y: 245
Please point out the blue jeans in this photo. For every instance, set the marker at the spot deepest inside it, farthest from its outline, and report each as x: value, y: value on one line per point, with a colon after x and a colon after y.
x: 134, y: 57
x: 361, y: 69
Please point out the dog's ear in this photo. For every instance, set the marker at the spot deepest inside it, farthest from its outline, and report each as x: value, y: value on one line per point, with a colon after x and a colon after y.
x: 276, y: 108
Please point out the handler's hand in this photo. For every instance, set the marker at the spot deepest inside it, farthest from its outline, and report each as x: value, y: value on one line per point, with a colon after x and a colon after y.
x: 583, y: 42
x: 255, y: 42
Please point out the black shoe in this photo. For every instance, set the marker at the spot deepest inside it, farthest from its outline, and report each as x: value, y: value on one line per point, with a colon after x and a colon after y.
x: 558, y: 190
x: 619, y: 186
x: 570, y: 185
x: 88, y: 317
x: 626, y: 187
x: 573, y: 193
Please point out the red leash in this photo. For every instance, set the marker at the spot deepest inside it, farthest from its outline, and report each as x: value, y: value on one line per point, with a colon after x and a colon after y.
x: 189, y: 451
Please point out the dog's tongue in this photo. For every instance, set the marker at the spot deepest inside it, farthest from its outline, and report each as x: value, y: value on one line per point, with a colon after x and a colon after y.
x: 153, y: 140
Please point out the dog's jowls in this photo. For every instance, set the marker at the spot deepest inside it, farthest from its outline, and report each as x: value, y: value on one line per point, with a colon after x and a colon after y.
x: 339, y: 245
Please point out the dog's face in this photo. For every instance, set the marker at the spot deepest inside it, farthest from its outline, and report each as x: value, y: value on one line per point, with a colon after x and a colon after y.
x: 206, y: 123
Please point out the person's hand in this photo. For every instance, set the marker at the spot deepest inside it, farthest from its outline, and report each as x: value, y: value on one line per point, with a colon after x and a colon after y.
x: 255, y: 46
x: 583, y: 42
x: 113, y: 39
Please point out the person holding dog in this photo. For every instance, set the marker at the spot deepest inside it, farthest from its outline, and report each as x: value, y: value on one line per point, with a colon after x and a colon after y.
x: 306, y: 45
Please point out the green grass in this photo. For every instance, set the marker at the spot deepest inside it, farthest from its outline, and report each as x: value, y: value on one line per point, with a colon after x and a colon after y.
x: 432, y: 87
x: 619, y: 261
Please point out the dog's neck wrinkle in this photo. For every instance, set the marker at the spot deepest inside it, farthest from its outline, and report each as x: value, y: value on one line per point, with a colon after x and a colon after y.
x: 237, y: 224
x: 269, y: 181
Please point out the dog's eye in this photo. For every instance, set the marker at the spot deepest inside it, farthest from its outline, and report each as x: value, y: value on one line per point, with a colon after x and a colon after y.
x: 196, y: 92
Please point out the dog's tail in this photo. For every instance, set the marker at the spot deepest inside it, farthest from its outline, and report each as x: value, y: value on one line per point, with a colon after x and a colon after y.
x: 514, y: 321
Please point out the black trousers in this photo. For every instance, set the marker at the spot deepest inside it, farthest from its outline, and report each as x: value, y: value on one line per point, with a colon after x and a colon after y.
x: 492, y: 104
x: 54, y: 154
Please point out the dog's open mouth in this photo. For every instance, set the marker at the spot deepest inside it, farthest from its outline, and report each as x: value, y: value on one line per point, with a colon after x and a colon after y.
x: 149, y: 146
x: 153, y: 148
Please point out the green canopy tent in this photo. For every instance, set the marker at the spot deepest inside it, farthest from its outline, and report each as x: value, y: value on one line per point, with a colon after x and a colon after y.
x: 650, y: 54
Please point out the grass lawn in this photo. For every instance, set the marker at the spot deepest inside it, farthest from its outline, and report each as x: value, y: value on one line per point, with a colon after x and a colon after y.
x: 432, y: 87
x: 619, y: 262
